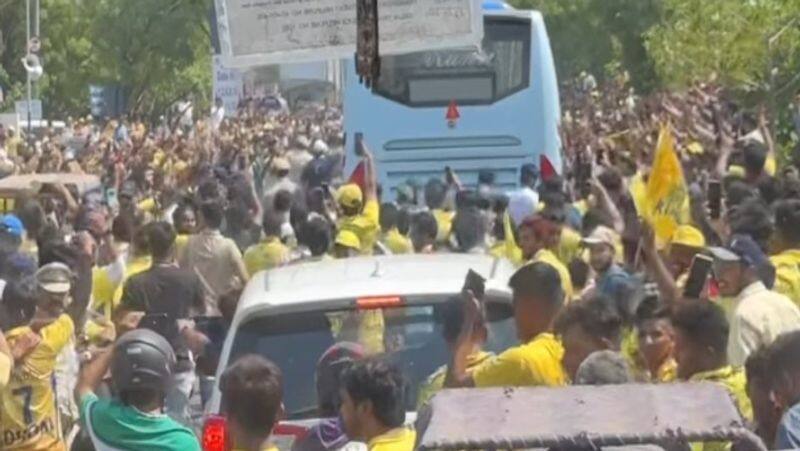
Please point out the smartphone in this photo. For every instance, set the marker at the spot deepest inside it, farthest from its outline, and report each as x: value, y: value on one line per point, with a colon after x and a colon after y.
x: 714, y: 199
x: 476, y: 283
x: 698, y: 276
x: 359, y: 143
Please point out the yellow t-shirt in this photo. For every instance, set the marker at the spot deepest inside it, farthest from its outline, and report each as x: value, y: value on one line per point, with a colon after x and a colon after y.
x: 569, y: 245
x: 733, y: 380
x: 29, y: 419
x: 5, y: 369
x: 398, y: 439
x: 547, y: 256
x: 435, y: 381
x: 180, y: 244
x: 135, y: 266
x: 537, y: 362
x: 787, y: 274
x: 444, y: 224
x: 366, y: 226
x: 397, y: 242
x: 268, y: 254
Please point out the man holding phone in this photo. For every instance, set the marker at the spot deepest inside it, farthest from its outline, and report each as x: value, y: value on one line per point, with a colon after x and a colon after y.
x: 759, y: 315
x: 360, y: 210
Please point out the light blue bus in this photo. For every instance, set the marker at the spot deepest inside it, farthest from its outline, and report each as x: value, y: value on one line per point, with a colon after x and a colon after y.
x: 505, y: 97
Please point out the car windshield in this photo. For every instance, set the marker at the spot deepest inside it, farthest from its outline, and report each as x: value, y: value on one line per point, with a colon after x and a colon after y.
x: 410, y: 337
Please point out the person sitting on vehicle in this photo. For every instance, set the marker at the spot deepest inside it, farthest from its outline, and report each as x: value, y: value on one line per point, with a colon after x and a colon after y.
x: 656, y: 343
x: 392, y: 238
x: 252, y: 401
x: 766, y: 412
x: 701, y: 341
x: 423, y: 231
x: 329, y: 434
x: 270, y: 252
x: 538, y: 236
x: 585, y: 327
x: 361, y: 211
x: 373, y: 409
x: 452, y: 318
x: 141, y: 365
x: 538, y: 298
x: 783, y: 368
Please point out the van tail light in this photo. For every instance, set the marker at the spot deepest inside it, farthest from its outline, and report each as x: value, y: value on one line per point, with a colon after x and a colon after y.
x: 215, y: 434
x: 378, y: 302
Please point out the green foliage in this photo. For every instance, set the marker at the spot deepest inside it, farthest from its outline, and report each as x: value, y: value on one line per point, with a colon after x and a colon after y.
x: 599, y: 35
x: 157, y: 50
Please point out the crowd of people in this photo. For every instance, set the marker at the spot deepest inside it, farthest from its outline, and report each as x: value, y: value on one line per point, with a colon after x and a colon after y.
x: 115, y: 304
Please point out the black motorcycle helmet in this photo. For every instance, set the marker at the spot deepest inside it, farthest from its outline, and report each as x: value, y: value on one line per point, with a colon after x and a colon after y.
x: 143, y: 360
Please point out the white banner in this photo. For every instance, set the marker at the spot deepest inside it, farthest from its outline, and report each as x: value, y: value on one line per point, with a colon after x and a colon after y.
x: 256, y: 32
x: 228, y: 85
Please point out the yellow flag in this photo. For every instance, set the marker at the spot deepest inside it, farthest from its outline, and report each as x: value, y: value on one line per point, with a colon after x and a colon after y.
x: 667, y: 196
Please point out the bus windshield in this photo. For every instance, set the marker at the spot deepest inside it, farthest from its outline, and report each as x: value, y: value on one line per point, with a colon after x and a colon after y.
x: 470, y: 77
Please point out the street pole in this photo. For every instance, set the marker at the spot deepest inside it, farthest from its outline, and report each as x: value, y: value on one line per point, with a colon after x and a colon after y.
x: 28, y: 53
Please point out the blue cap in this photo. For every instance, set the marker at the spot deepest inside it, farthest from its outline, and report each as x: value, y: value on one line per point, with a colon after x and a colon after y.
x: 12, y: 225
x: 741, y: 248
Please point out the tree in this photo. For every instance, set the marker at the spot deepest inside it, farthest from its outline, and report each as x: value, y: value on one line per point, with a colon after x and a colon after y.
x: 599, y: 36
x: 158, y: 51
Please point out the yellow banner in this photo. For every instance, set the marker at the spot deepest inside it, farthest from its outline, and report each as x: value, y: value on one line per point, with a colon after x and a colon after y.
x: 667, y: 203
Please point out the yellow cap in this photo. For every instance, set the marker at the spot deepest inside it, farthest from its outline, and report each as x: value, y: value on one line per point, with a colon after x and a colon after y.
x: 736, y: 170
x: 349, y: 239
x: 687, y: 235
x: 349, y: 196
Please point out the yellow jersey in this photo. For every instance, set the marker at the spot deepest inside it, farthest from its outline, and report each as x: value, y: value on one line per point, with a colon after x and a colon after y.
x: 732, y: 380
x: 537, y: 362
x: 435, y: 381
x: 398, y: 439
x: 135, y: 266
x: 444, y: 224
x: 787, y: 274
x: 397, y: 242
x: 5, y: 369
x: 269, y: 253
x: 569, y: 245
x: 547, y: 256
x: 365, y: 226
x: 29, y: 418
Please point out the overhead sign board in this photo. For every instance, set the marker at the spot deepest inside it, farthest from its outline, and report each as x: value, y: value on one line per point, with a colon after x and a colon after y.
x: 257, y: 32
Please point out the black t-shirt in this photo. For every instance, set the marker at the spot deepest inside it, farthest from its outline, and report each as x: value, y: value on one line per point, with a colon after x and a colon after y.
x: 165, y: 290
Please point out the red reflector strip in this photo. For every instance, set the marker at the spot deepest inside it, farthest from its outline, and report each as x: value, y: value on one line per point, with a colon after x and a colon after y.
x: 378, y: 302
x: 290, y: 429
x: 215, y: 434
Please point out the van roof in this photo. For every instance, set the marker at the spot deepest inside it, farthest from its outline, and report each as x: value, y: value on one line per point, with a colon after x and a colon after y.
x: 397, y: 275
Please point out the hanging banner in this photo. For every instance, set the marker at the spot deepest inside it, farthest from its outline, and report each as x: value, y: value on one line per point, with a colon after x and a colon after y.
x: 258, y: 32
x: 228, y: 85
